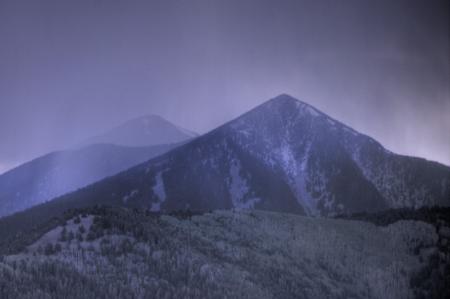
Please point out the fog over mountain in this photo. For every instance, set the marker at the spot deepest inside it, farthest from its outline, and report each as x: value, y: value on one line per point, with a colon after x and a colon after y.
x: 282, y: 156
x: 60, y: 172
x: 143, y: 131
x: 225, y: 149
x: 283, y: 201
x: 73, y: 69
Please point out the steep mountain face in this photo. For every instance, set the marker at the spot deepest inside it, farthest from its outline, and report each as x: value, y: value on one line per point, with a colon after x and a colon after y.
x: 60, y: 172
x: 144, y: 131
x: 287, y: 156
x: 333, y: 168
x: 282, y: 156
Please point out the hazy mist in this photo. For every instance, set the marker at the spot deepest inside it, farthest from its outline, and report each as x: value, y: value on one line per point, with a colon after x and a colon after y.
x: 72, y: 69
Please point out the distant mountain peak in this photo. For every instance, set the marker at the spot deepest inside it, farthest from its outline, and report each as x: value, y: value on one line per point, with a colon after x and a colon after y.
x: 146, y: 130
x: 147, y: 119
x: 284, y: 155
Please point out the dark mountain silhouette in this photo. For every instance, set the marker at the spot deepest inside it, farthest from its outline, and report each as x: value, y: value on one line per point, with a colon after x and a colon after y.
x: 284, y: 155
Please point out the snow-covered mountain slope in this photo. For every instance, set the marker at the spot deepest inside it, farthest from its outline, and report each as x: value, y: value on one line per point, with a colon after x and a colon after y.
x: 60, y: 172
x: 331, y: 167
x: 143, y: 131
x: 251, y: 254
x: 284, y: 155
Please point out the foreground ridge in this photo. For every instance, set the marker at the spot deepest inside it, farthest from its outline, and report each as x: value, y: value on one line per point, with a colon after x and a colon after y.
x: 116, y: 252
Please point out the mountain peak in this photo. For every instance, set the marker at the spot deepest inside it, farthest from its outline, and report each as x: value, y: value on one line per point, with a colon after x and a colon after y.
x: 283, y: 155
x: 148, y: 118
x: 145, y: 130
x: 284, y: 97
x: 285, y: 102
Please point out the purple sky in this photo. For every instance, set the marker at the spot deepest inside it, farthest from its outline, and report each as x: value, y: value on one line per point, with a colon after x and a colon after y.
x: 71, y: 69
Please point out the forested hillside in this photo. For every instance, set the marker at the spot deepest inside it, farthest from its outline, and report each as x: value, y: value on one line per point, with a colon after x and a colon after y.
x: 123, y: 253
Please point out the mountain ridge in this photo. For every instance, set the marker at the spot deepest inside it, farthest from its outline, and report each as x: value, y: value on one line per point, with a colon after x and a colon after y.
x: 280, y: 156
x: 283, y: 155
x: 60, y: 172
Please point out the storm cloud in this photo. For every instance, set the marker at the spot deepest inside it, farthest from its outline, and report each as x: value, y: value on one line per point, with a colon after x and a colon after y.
x: 71, y: 69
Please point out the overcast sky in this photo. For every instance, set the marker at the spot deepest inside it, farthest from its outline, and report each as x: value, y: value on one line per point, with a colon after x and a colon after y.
x: 71, y: 69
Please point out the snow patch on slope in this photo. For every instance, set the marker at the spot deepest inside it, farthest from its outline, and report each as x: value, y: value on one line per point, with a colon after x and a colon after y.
x: 159, y: 190
x: 312, y: 111
x: 239, y: 188
x: 295, y: 170
x: 280, y: 150
x: 130, y: 195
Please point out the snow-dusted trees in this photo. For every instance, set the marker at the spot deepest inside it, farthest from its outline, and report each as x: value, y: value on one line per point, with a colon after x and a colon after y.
x: 123, y: 253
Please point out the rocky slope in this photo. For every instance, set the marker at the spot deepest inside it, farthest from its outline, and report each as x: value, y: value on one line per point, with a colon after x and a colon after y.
x: 284, y: 155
